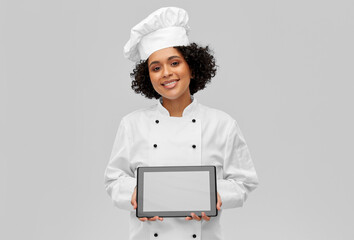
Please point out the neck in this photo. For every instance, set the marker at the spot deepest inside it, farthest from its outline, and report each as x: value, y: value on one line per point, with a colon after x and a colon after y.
x: 176, y: 106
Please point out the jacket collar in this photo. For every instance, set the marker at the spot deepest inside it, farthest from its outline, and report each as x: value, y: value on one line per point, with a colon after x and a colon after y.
x: 188, y: 111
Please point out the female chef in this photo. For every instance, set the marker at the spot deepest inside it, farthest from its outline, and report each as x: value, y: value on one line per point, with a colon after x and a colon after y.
x: 177, y: 130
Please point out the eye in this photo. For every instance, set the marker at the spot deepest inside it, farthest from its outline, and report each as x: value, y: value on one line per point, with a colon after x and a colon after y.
x: 175, y: 63
x: 155, y: 69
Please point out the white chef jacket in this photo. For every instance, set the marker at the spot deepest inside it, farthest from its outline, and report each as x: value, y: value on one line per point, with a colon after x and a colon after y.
x: 202, y: 136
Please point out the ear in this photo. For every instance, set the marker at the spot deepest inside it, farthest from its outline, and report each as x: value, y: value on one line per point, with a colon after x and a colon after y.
x: 192, y: 75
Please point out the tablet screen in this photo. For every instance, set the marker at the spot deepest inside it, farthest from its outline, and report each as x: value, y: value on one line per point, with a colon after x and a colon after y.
x: 163, y: 191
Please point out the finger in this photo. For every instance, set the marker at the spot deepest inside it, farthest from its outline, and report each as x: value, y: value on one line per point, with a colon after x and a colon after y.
x: 143, y: 219
x: 133, y: 202
x: 195, y: 217
x: 153, y: 218
x: 219, y: 203
x: 205, y: 217
x: 156, y: 218
x: 188, y: 218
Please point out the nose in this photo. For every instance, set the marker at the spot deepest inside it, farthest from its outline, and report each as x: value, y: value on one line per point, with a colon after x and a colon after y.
x: 167, y: 72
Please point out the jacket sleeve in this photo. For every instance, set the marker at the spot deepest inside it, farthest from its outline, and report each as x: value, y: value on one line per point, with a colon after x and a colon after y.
x: 119, y: 178
x: 239, y: 175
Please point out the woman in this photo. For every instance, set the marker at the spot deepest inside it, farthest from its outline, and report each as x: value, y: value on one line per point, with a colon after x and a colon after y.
x: 177, y: 130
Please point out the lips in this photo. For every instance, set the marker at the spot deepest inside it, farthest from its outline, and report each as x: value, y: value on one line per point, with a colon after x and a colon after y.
x: 165, y: 82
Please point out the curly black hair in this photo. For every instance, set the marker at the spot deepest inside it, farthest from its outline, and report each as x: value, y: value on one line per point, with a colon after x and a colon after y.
x: 200, y: 60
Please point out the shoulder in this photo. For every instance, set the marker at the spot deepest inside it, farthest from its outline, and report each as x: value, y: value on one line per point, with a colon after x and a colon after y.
x: 214, y: 114
x: 220, y: 121
x: 139, y: 115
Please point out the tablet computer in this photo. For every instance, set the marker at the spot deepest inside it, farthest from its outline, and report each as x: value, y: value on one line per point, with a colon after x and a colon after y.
x: 176, y: 191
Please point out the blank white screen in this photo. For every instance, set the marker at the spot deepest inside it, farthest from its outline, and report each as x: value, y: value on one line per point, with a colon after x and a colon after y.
x: 177, y: 191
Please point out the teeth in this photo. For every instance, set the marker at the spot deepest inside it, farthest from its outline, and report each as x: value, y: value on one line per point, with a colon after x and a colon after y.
x: 169, y: 83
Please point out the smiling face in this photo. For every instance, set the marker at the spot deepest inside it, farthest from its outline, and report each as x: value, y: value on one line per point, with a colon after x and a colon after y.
x: 169, y: 73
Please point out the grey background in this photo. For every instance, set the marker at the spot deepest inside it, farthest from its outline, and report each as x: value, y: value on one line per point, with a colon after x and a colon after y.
x: 286, y: 76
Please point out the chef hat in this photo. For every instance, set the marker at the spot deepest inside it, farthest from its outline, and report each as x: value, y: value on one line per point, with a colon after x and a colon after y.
x: 166, y: 27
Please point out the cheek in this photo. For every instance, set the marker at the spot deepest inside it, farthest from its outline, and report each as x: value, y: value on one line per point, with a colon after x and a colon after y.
x: 153, y: 78
x: 184, y: 73
x: 154, y: 81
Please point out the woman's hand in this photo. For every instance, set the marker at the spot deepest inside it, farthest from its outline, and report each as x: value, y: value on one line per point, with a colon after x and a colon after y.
x: 135, y: 205
x: 205, y: 217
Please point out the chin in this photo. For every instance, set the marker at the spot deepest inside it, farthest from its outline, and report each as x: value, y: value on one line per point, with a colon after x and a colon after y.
x: 170, y: 97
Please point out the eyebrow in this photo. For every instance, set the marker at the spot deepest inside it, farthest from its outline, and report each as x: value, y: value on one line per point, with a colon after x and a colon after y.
x: 167, y: 60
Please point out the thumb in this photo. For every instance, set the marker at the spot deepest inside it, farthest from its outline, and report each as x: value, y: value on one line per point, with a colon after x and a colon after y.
x: 218, y: 205
x: 134, y: 204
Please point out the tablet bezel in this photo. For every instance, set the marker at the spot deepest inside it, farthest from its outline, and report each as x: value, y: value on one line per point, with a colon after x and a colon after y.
x: 140, y: 213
